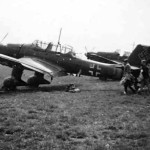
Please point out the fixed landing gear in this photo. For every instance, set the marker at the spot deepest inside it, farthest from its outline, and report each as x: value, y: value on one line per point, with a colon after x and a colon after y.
x: 33, y: 82
x: 9, y: 84
x: 36, y: 80
x: 15, y: 80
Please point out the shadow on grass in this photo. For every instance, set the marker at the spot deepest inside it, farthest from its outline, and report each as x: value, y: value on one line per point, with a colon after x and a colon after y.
x: 52, y: 88
x: 88, y: 90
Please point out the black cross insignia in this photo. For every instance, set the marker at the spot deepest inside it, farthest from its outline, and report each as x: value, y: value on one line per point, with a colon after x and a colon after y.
x: 94, y: 70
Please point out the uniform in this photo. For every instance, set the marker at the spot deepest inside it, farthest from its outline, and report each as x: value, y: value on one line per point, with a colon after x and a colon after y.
x: 128, y: 77
x: 145, y: 74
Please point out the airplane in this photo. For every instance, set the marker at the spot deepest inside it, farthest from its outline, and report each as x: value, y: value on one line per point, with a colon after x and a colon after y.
x: 54, y: 60
x: 96, y: 57
x: 107, y: 57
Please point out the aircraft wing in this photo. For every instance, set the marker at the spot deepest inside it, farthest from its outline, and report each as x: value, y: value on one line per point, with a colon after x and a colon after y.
x: 102, y: 59
x: 33, y: 64
x: 132, y: 67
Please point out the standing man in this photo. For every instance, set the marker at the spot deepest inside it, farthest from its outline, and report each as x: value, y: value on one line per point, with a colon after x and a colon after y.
x: 145, y: 74
x: 128, y: 77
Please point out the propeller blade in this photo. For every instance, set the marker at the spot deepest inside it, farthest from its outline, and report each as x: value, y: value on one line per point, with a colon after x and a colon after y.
x: 3, y: 38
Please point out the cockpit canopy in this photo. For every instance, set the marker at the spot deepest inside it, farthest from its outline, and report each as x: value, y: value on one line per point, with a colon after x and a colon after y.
x: 39, y: 44
x: 43, y: 46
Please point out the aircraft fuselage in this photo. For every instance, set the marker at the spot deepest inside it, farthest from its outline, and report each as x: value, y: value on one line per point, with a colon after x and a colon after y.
x: 68, y: 61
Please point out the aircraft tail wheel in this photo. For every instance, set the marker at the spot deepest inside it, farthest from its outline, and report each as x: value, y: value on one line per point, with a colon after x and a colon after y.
x: 103, y: 78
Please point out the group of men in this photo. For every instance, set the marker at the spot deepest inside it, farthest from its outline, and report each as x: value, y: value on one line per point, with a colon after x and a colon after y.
x: 136, y: 84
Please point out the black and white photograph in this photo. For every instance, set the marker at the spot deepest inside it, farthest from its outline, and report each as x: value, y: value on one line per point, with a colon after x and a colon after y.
x: 74, y: 75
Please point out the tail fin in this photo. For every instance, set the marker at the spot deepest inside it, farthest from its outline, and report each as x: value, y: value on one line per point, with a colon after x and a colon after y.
x: 139, y: 53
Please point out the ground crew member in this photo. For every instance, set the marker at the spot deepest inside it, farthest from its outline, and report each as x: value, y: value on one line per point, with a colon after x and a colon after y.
x: 145, y: 74
x: 128, y: 77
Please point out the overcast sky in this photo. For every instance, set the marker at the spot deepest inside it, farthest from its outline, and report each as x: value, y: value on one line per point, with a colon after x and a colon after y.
x: 100, y: 25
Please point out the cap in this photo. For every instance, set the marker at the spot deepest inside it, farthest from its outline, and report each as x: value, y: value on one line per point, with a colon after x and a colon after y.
x: 143, y: 61
x: 125, y: 60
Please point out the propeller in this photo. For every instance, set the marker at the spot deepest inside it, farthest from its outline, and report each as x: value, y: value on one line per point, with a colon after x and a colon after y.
x: 86, y: 49
x: 3, y: 38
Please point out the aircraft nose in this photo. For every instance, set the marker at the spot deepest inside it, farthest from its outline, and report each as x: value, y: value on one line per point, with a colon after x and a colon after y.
x: 13, y: 49
x: 3, y: 49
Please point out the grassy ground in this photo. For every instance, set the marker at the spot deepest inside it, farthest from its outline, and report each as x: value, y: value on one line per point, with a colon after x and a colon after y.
x: 99, y: 117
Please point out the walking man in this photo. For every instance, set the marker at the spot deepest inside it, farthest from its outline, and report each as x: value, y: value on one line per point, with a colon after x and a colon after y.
x: 128, y: 77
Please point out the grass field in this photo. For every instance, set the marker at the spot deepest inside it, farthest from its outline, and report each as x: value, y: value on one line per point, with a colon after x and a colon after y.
x: 99, y: 117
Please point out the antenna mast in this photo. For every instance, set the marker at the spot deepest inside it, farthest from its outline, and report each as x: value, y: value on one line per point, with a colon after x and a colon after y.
x: 59, y: 36
x: 58, y: 44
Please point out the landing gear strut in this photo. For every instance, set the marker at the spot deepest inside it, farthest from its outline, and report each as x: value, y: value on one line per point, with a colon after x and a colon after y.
x: 10, y: 83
